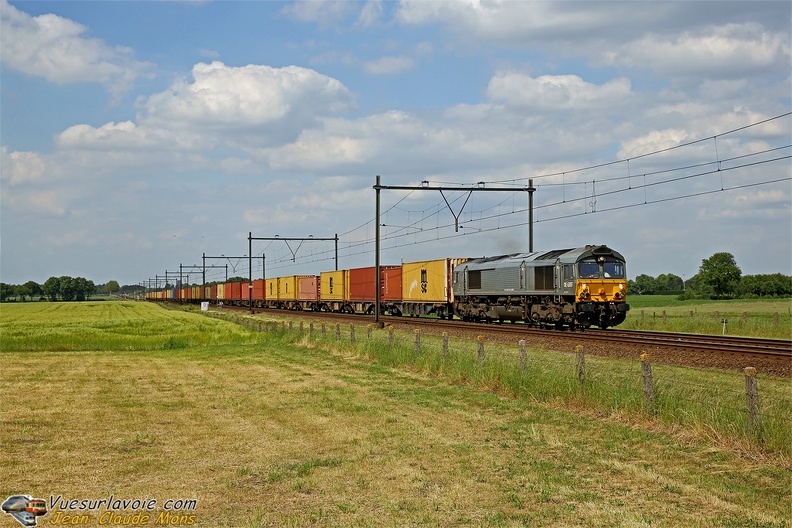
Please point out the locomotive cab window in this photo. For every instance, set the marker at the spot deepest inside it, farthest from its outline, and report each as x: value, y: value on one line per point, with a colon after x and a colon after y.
x: 614, y: 269
x: 588, y: 270
x: 611, y: 269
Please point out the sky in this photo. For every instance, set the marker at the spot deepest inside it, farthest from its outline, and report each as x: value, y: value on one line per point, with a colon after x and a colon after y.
x: 138, y: 138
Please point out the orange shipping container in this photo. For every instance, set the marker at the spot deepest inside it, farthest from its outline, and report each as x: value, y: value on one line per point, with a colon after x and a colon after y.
x: 362, y: 286
x: 258, y: 290
x: 308, y: 287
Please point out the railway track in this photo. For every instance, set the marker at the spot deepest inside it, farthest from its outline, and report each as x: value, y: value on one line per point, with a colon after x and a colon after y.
x: 771, y: 356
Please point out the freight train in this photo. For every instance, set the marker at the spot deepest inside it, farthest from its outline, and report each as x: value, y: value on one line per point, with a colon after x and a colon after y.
x: 574, y: 288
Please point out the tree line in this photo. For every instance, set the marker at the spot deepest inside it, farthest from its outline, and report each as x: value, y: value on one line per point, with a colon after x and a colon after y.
x: 718, y: 277
x: 63, y: 288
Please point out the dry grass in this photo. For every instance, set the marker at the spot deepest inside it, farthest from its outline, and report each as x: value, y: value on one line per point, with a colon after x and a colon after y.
x: 286, y: 434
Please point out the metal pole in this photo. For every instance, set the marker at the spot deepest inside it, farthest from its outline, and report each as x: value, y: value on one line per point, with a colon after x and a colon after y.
x: 531, y: 190
x: 336, y: 250
x: 377, y: 258
x: 250, y: 271
x: 203, y: 265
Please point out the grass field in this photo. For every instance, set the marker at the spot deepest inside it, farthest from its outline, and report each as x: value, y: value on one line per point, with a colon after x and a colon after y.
x: 266, y: 429
x: 748, y: 318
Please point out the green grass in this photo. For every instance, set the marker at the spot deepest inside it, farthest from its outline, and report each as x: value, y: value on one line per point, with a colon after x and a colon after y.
x: 748, y: 318
x: 702, y: 402
x: 119, y: 325
x: 286, y: 429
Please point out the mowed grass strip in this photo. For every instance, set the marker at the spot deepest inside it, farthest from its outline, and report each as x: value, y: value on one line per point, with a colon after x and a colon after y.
x: 110, y: 326
x: 291, y: 434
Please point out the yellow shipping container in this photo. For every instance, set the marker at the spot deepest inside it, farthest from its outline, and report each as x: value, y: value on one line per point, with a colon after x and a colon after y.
x: 287, y: 288
x: 271, y: 289
x: 221, y: 292
x: 334, y: 285
x: 429, y: 280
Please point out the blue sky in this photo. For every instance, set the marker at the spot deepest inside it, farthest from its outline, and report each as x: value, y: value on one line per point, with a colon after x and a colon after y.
x: 138, y: 136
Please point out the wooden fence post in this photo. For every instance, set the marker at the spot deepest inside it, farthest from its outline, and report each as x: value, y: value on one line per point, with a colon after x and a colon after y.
x: 523, y: 358
x: 390, y: 336
x: 648, y: 383
x: 445, y: 346
x: 752, y: 401
x: 481, y: 350
x: 417, y: 342
x: 338, y: 332
x: 324, y: 330
x: 301, y: 328
x: 369, y: 332
x: 291, y: 327
x: 580, y: 365
x: 352, y: 333
x: 310, y: 329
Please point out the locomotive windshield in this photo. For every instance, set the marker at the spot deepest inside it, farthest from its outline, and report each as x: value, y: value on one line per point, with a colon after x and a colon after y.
x: 608, y: 269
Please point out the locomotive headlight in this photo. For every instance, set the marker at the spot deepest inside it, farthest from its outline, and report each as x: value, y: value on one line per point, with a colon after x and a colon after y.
x: 585, y: 287
x: 621, y: 286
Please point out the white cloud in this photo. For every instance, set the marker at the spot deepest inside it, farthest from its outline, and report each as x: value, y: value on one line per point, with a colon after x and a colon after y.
x: 370, y: 13
x: 254, y: 96
x: 52, y: 47
x: 723, y: 52
x: 247, y: 107
x: 389, y: 65
x: 556, y: 91
x: 674, y: 39
x: 125, y: 136
x: 21, y: 167
x: 652, y: 142
x: 322, y: 12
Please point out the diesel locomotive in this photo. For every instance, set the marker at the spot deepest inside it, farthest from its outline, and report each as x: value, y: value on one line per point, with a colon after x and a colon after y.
x: 561, y: 288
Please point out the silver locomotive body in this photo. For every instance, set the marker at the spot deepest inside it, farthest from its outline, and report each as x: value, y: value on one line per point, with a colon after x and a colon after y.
x: 567, y: 287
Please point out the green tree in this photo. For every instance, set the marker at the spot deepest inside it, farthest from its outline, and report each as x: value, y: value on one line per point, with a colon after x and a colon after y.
x: 83, y: 288
x: 6, y: 291
x: 668, y: 282
x: 720, y: 272
x: 775, y: 285
x: 51, y: 288
x: 112, y: 287
x: 29, y: 289
x: 68, y: 288
x: 644, y: 285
